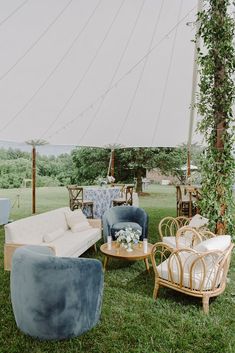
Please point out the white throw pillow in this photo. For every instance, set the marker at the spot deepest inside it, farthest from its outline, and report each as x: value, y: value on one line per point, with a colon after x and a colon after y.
x: 198, y: 221
x: 49, y: 237
x: 79, y: 227
x: 75, y: 219
x: 221, y: 242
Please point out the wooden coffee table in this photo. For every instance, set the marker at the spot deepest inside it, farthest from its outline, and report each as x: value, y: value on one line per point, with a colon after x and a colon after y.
x: 119, y: 252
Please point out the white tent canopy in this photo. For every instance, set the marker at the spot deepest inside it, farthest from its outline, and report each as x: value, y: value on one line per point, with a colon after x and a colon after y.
x: 97, y: 72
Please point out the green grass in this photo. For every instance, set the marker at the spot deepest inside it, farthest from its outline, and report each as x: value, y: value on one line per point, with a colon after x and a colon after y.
x: 130, y: 321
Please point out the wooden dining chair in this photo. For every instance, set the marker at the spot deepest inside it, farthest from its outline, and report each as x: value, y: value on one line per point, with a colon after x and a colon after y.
x: 127, y: 199
x: 76, y: 199
x: 184, y: 205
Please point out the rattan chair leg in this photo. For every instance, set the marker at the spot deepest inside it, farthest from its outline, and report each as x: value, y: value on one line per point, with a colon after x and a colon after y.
x: 205, y: 304
x: 156, y: 288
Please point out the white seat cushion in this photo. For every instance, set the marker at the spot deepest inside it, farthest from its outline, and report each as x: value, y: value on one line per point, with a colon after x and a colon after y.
x: 48, y: 237
x: 68, y: 244
x: 76, y: 220
x: 186, y: 260
x: 221, y: 242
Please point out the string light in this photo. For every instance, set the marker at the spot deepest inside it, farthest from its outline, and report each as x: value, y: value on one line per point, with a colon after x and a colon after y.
x: 36, y: 41
x: 115, y: 84
x: 115, y: 71
x: 53, y: 71
x: 78, y: 85
x: 167, y: 79
x: 141, y: 73
x: 13, y: 12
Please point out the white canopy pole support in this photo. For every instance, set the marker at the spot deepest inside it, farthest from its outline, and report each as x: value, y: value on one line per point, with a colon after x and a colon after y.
x: 193, y: 94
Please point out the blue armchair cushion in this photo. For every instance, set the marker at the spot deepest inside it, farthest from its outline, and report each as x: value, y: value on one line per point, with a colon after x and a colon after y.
x: 55, y: 298
x: 118, y: 216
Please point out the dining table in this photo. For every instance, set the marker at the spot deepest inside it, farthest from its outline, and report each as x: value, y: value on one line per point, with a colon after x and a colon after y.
x: 102, y: 198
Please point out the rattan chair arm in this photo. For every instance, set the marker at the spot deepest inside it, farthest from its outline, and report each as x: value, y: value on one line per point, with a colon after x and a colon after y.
x: 167, y: 226
x: 162, y: 250
x: 196, y: 236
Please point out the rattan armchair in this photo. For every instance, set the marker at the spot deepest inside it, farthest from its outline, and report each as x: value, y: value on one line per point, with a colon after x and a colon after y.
x: 191, y: 271
x: 170, y: 226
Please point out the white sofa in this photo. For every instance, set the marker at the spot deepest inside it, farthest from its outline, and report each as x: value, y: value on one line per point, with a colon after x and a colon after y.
x: 51, y: 229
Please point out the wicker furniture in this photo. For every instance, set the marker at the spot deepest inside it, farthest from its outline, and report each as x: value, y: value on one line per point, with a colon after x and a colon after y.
x: 198, y: 272
x: 169, y: 227
x: 118, y: 252
x: 76, y: 199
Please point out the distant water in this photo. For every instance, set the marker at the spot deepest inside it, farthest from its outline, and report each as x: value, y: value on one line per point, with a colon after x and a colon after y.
x: 47, y: 150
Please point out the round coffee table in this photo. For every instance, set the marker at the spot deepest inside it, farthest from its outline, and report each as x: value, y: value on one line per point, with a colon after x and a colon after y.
x: 120, y: 252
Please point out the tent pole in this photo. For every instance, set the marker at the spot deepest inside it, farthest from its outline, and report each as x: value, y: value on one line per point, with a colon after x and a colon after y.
x: 33, y: 180
x: 112, y: 163
x: 109, y: 167
x: 193, y: 94
x: 34, y: 143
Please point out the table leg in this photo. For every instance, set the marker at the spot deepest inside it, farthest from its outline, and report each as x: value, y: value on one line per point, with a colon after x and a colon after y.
x: 146, y: 264
x: 106, y: 260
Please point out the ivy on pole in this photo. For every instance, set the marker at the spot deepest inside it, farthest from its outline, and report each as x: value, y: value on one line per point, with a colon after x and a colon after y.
x: 216, y: 61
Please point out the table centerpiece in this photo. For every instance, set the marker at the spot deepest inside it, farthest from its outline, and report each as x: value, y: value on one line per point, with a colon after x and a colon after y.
x: 127, y: 237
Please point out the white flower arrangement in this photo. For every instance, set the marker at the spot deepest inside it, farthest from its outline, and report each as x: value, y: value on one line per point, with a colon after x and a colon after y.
x: 128, y: 236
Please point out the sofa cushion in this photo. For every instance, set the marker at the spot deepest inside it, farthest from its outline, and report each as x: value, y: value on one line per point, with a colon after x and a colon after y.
x: 221, y: 242
x: 198, y: 221
x: 79, y: 227
x: 68, y: 244
x: 75, y: 219
x: 31, y: 230
x: 48, y: 237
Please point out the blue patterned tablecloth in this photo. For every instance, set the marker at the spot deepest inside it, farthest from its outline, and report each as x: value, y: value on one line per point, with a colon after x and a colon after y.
x: 102, y: 198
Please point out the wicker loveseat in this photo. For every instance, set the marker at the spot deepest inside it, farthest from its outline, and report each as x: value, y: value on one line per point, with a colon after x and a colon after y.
x: 200, y: 271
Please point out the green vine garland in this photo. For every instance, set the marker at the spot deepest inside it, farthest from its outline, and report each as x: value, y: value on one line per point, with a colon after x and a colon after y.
x: 215, y: 100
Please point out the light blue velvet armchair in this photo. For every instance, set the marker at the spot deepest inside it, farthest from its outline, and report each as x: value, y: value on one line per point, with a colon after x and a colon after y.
x: 55, y: 298
x: 120, y: 217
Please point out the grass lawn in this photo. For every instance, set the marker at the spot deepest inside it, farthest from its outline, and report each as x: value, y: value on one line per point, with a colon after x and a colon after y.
x: 130, y: 321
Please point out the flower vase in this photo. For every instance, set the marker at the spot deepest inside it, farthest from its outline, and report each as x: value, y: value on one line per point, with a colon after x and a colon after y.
x: 129, y: 247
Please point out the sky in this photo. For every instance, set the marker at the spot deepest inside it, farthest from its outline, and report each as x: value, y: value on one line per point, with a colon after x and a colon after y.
x: 97, y: 72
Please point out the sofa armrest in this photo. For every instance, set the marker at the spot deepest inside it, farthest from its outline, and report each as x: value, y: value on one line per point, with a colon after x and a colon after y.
x: 95, y: 223
x: 9, y: 249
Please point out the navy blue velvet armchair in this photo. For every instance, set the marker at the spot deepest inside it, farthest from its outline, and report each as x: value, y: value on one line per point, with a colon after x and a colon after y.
x: 120, y: 217
x: 55, y: 298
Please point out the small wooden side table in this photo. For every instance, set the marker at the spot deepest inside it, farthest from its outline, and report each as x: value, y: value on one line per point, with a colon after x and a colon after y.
x: 120, y: 252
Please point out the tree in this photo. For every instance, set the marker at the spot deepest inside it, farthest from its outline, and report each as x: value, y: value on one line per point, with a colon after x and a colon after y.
x: 90, y: 164
x: 130, y: 163
x: 216, y: 64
